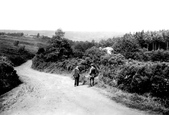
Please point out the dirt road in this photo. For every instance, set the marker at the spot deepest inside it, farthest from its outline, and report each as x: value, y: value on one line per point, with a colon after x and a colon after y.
x: 49, y: 94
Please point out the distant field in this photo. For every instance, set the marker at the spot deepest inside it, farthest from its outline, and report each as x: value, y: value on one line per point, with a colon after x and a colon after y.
x: 30, y: 43
x: 20, y: 53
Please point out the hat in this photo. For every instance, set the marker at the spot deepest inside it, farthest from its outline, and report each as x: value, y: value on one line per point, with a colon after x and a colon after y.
x: 92, y: 64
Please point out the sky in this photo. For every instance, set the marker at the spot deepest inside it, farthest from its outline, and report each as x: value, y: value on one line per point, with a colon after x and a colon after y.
x: 85, y: 15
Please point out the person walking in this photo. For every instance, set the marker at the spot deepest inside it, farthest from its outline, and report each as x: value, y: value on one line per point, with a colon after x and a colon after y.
x: 76, y: 75
x: 93, y: 73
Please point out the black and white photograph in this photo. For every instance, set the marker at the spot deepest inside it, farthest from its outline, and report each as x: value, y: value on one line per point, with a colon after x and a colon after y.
x: 84, y: 57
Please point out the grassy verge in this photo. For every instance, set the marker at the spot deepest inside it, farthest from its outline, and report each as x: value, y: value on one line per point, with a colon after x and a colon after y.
x: 132, y: 100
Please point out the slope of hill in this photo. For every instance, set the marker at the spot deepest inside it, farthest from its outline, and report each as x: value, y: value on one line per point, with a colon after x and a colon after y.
x: 19, y: 52
x: 73, y: 35
x: 15, y: 50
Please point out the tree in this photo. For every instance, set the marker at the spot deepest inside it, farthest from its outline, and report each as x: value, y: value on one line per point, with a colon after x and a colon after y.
x: 126, y: 45
x: 58, y: 48
x: 166, y: 38
x: 147, y: 39
x: 59, y: 33
x: 38, y: 35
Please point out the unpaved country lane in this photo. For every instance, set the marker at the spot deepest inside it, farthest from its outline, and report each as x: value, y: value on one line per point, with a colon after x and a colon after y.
x: 49, y: 94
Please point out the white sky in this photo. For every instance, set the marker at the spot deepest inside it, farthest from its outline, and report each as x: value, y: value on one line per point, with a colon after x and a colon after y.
x: 85, y: 15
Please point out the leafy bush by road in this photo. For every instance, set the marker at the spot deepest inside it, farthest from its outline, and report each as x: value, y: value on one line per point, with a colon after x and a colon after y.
x: 140, y: 77
x: 8, y: 77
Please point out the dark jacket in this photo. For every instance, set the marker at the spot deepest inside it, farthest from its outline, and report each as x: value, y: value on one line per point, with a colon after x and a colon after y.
x: 76, y: 72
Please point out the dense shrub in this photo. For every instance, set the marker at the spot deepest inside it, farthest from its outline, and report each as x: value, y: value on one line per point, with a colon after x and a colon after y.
x: 144, y: 55
x: 158, y: 55
x: 16, y: 43
x: 109, y: 68
x: 8, y: 77
x: 78, y: 53
x: 6, y: 60
x: 82, y: 46
x: 17, y: 58
x: 94, y: 54
x: 20, y: 56
x: 55, y: 55
x: 58, y: 49
x: 66, y: 65
x: 126, y: 45
x: 140, y: 77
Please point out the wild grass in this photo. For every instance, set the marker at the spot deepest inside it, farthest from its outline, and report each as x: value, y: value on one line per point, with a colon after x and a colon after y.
x: 29, y: 43
x: 142, y: 102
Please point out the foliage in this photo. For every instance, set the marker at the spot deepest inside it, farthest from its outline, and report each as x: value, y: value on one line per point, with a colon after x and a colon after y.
x: 16, y: 43
x: 6, y: 60
x: 107, y: 43
x: 59, y: 33
x: 80, y: 47
x: 158, y: 55
x: 126, y: 45
x: 94, y: 54
x: 17, y: 56
x: 109, y: 68
x: 66, y: 65
x: 140, y: 77
x: 8, y: 77
x: 12, y: 34
x: 57, y: 49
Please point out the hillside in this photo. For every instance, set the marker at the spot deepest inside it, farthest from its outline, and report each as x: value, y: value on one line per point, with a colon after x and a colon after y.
x: 18, y: 49
x: 72, y: 35
x: 14, y: 51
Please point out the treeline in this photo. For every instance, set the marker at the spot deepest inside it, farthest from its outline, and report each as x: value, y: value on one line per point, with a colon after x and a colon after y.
x: 151, y: 40
x: 12, y: 34
x: 142, y: 46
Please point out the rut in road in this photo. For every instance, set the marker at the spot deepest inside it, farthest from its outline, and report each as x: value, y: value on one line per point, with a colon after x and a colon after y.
x: 49, y: 94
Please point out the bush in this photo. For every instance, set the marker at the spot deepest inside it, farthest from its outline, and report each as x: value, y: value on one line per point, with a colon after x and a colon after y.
x: 109, y: 68
x: 56, y: 56
x: 140, y: 77
x: 95, y: 54
x: 8, y: 77
x: 78, y: 53
x: 141, y: 55
x: 58, y: 49
x: 16, y: 43
x: 21, y: 49
x: 6, y: 60
x: 158, y: 55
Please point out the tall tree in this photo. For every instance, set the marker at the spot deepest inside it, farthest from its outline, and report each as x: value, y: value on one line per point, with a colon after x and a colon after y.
x: 38, y: 35
x: 59, y: 33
